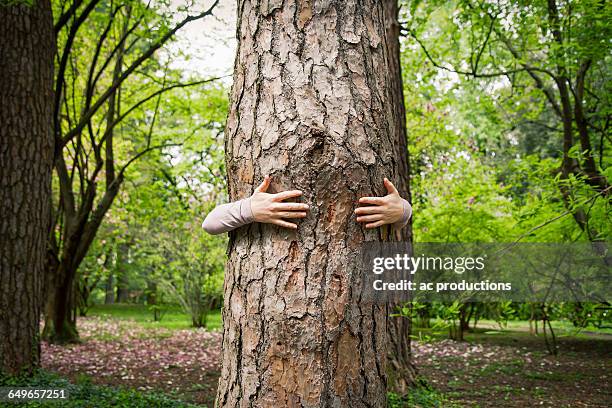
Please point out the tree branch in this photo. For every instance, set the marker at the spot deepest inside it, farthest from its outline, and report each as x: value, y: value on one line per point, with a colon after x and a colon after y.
x: 159, y: 92
x: 484, y: 44
x: 66, y: 16
x: 150, y: 51
x: 472, y: 73
x: 92, y: 67
x: 61, y: 71
x: 142, y: 153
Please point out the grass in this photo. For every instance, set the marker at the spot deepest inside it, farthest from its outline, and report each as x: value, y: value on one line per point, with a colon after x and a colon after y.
x: 514, y: 332
x: 173, y: 317
x: 560, y: 326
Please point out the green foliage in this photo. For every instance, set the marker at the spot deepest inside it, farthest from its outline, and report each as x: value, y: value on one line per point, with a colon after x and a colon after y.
x: 153, y: 235
x: 486, y: 147
x: 485, y: 141
x: 421, y: 397
x: 85, y: 394
x: 13, y: 3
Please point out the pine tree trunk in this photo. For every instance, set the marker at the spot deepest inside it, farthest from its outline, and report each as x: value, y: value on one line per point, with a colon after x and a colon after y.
x: 310, y: 107
x: 26, y: 155
x: 402, y: 372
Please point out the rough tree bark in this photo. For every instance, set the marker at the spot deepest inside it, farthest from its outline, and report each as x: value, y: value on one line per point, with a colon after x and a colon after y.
x: 26, y: 157
x: 310, y: 107
x: 402, y: 372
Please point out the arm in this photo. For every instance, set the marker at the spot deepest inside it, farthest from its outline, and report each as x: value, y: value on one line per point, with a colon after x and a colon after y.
x: 260, y: 207
x: 227, y: 217
x: 390, y: 209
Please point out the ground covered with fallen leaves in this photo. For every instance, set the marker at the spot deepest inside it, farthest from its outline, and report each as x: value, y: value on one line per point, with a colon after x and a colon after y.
x: 183, y: 363
x: 502, y: 370
x: 514, y: 369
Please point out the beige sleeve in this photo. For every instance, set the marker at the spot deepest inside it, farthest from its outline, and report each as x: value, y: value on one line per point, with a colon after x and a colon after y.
x: 228, y: 217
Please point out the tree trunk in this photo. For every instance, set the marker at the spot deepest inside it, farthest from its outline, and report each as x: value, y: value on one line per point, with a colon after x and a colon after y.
x: 122, y: 289
x: 151, y: 294
x: 60, y: 324
x: 402, y: 371
x: 122, y: 274
x: 26, y: 156
x: 109, y: 297
x: 310, y: 107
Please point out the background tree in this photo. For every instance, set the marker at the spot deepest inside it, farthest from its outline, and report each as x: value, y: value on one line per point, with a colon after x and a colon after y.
x: 309, y: 106
x: 117, y: 42
x: 26, y: 157
x: 159, y: 210
x: 402, y: 370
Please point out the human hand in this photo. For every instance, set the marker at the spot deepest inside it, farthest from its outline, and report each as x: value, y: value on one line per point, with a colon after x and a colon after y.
x: 269, y: 208
x: 383, y: 210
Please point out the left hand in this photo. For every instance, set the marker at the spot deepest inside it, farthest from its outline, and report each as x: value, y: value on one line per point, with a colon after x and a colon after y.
x: 382, y: 210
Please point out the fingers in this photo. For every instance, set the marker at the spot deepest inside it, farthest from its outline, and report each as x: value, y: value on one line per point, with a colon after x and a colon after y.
x: 368, y: 210
x: 372, y: 200
x: 263, y: 187
x: 292, y: 207
x: 374, y: 224
x: 290, y: 214
x: 287, y: 194
x: 369, y: 218
x: 390, y: 187
x: 284, y: 224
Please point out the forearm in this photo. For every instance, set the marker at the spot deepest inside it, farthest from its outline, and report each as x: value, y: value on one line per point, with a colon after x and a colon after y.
x: 228, y: 217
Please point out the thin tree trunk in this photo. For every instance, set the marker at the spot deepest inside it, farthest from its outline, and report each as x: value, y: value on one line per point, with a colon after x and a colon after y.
x: 109, y: 297
x: 151, y: 294
x: 109, y: 287
x: 310, y: 107
x: 122, y: 275
x: 402, y: 371
x: 27, y: 44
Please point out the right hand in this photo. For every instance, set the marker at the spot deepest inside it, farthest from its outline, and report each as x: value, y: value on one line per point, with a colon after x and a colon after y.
x: 270, y: 208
